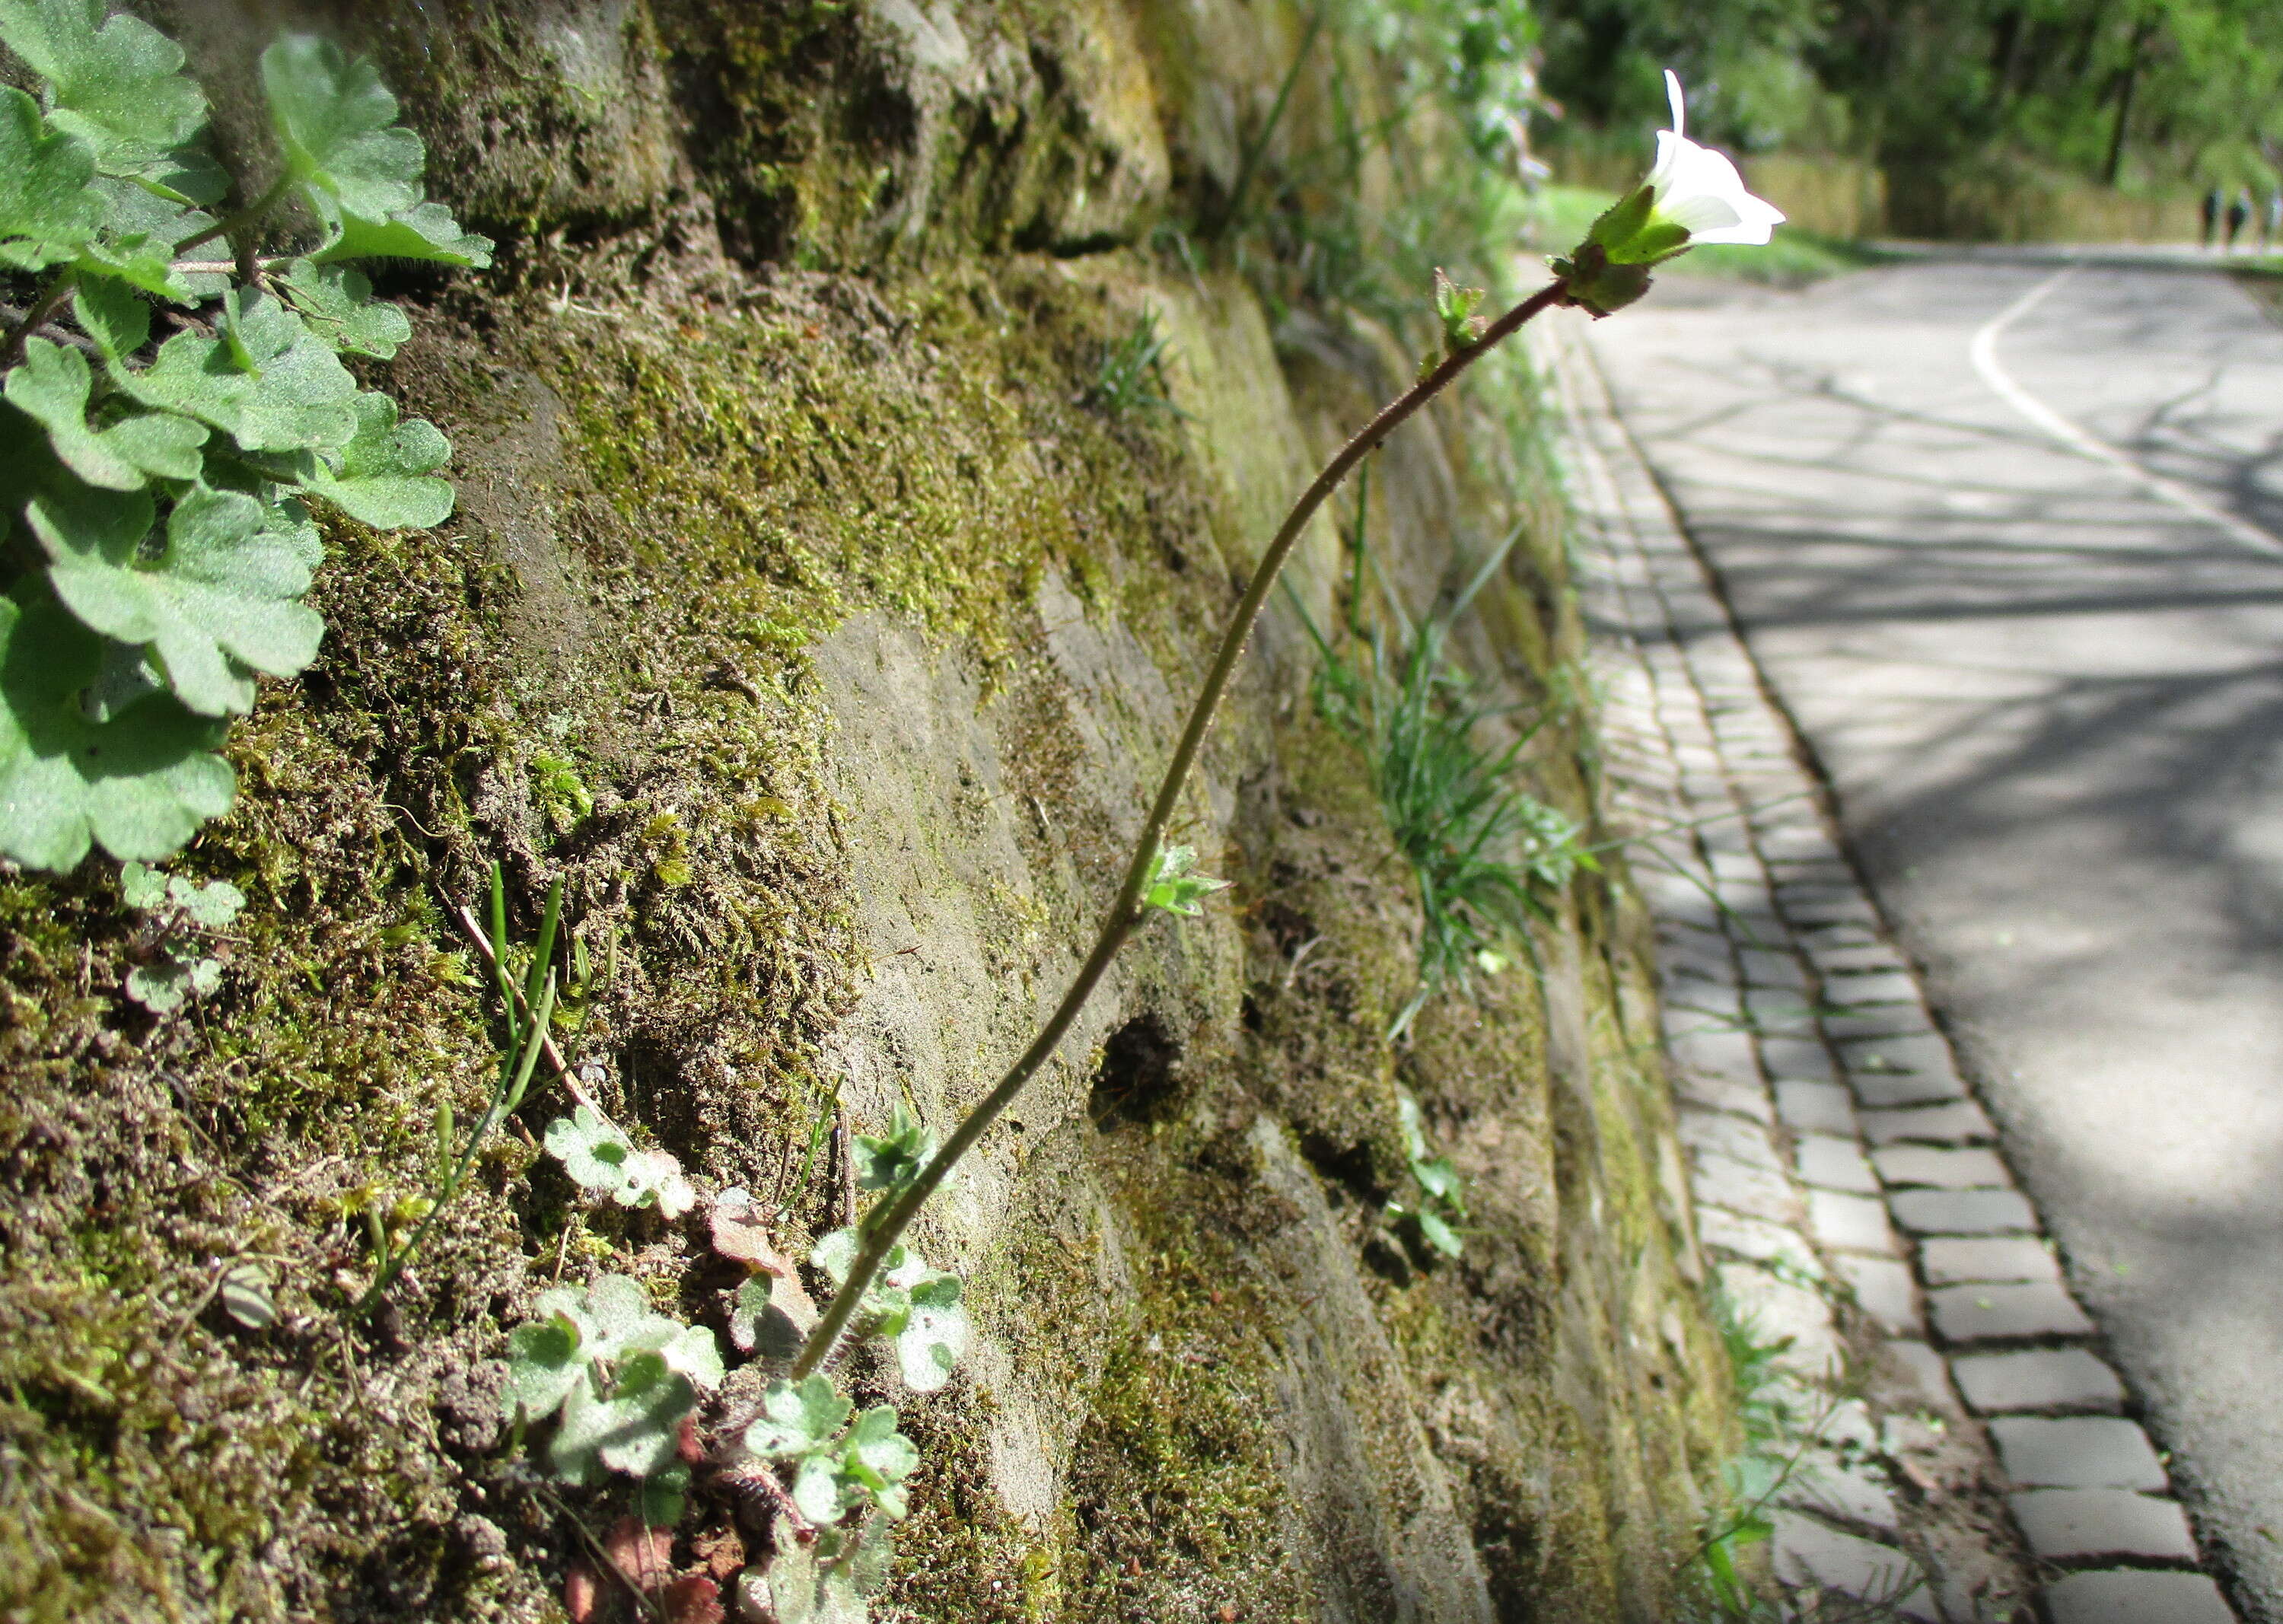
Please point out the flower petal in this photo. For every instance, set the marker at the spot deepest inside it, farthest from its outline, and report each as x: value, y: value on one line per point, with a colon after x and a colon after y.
x: 1673, y: 98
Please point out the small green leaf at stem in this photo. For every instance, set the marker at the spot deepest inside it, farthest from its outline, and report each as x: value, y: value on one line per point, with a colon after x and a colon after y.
x: 337, y: 125
x: 1173, y: 887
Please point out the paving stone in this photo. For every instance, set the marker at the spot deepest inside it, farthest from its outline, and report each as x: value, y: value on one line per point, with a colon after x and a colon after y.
x: 1847, y: 907
x: 1837, y: 952
x: 1693, y: 952
x: 1883, y: 1290
x: 1803, y: 1057
x: 1830, y: 1161
x: 1723, y: 1091
x: 1927, y: 1371
x: 1811, y: 1553
x: 1757, y: 1192
x: 2065, y: 1525
x: 1879, y: 1020
x: 1779, y: 1012
x: 1842, y: 1223
x: 1923, y: 1054
x: 2077, y: 1452
x: 1940, y: 1168
x: 1962, y: 1212
x: 1815, y: 1107
x: 1783, y: 1309
x: 1951, y: 1261
x: 1757, y: 1239
x: 1881, y: 986
x: 1955, y: 1122
x: 1767, y: 967
x: 2137, y: 1598
x: 2005, y: 1313
x: 2040, y: 1379
x: 1824, y: 1484
x: 1717, y: 1133
x: 1716, y: 1051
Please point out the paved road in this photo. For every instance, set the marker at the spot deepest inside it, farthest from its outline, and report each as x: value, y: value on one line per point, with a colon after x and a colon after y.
x: 2008, y: 544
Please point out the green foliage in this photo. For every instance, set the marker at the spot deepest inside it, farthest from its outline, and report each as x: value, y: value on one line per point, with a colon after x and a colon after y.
x: 1441, y: 1207
x: 839, y: 1466
x: 1132, y: 381
x: 1455, y: 307
x: 180, y: 910
x: 158, y: 496
x: 890, y: 1161
x: 915, y: 1308
x: 1487, y: 855
x: 600, y: 1159
x: 1173, y: 887
x: 615, y: 1377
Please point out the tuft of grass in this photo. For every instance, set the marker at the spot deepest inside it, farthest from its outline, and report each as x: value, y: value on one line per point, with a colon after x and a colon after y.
x: 1486, y: 853
x: 1560, y: 216
x: 1132, y: 381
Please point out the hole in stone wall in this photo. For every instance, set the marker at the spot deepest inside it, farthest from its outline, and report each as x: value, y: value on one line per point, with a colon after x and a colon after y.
x: 1141, y: 1072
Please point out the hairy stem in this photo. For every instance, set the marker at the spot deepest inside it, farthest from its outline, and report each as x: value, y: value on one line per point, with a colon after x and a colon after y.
x: 36, y: 318
x: 880, y: 1234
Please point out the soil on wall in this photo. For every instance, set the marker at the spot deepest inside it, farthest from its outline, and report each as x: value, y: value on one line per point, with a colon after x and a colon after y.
x: 811, y: 617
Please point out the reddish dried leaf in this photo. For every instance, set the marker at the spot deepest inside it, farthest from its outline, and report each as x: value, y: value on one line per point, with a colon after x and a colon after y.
x: 644, y: 1555
x: 739, y: 1233
x: 720, y: 1552
x: 693, y: 1600
x: 583, y: 1593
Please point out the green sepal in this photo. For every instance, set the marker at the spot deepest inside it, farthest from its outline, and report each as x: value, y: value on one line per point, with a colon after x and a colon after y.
x: 893, y: 1160
x: 1591, y: 283
x: 1173, y: 887
x: 1620, y: 222
x: 140, y: 781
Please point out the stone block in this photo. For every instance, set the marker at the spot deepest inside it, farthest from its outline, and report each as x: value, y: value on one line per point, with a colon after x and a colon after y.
x: 1815, y: 1107
x: 1833, y: 1163
x: 1758, y: 1240
x: 1819, y: 939
x: 1928, y: 1371
x: 1843, y: 905
x: 2005, y: 1313
x: 1775, y: 1011
x: 1883, y: 985
x: 2077, y: 1452
x: 1757, y: 1192
x: 1880, y: 1020
x: 1952, y: 1261
x: 2039, y: 1378
x: 1885, y: 1090
x: 1810, y: 1553
x: 1920, y: 1054
x: 1834, y: 957
x: 1781, y: 1310
x: 1962, y: 1212
x: 1824, y: 1484
x: 1803, y: 1057
x: 1717, y: 1133
x: 1942, y: 1167
x: 1955, y: 1123
x: 1772, y: 967
x: 2066, y: 1525
x: 2137, y: 1598
x: 1884, y: 1289
x: 1842, y: 1223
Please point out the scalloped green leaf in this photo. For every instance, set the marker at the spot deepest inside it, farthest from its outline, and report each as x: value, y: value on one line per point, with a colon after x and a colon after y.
x: 290, y: 392
x: 797, y: 1419
x: 116, y: 83
x: 424, y: 231
x: 47, y: 207
x: 338, y: 302
x: 634, y: 1434
x: 220, y: 597
x: 136, y: 239
x: 337, y: 125
x: 140, y: 782
x: 113, y: 316
x: 52, y: 385
x: 383, y: 477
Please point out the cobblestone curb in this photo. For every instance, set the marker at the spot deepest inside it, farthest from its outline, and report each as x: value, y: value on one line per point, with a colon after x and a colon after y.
x: 1850, y: 1191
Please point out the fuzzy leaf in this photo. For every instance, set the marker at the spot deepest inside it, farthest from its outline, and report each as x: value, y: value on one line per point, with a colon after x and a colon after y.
x: 836, y: 1253
x: 893, y: 1160
x: 1440, y: 1234
x: 142, y: 886
x: 816, y: 1490
x: 339, y: 302
x: 117, y: 82
x: 52, y: 385
x: 47, y: 208
x: 770, y: 1315
x: 136, y: 238
x: 119, y: 321
x: 797, y: 1419
x: 290, y: 393
x: 635, y: 1434
x: 592, y: 1150
x: 212, y: 906
x: 219, y: 598
x: 695, y: 1357
x: 426, y: 231
x: 544, y: 1358
x: 336, y: 124
x: 140, y: 781
x: 1171, y: 885
x: 160, y: 987
x: 739, y: 1232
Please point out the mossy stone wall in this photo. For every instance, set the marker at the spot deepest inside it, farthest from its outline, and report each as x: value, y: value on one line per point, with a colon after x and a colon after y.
x: 806, y: 615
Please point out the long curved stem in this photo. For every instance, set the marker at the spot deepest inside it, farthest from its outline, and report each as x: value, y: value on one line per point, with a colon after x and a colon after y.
x: 882, y: 1231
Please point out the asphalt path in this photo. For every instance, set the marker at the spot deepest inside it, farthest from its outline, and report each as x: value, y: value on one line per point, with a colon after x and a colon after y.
x: 2007, y: 542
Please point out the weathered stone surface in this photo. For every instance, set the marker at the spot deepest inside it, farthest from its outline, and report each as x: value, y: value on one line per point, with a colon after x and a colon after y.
x: 1951, y: 1261
x: 1842, y: 1223
x: 1811, y: 1553
x: 1754, y: 1191
x: 1815, y: 1107
x: 1869, y: 987
x: 1784, y: 1309
x: 2076, y: 1524
x: 1830, y: 1161
x: 2137, y: 1598
x: 1799, y: 1057
x: 1928, y: 1370
x: 1952, y: 1122
x: 1827, y: 1486
x: 1884, y: 1289
x: 1879, y: 1089
x: 1758, y: 1240
x: 1924, y: 1058
x: 2005, y: 1313
x: 1962, y: 1212
x: 1719, y: 1133
x: 2077, y: 1452
x: 2037, y: 1378
x: 1878, y: 1020
x: 1940, y: 1168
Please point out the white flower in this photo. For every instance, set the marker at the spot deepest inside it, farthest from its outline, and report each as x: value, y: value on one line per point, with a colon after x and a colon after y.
x: 1699, y: 189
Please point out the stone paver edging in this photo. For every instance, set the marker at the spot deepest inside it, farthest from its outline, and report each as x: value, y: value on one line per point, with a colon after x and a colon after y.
x: 1849, y: 1189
